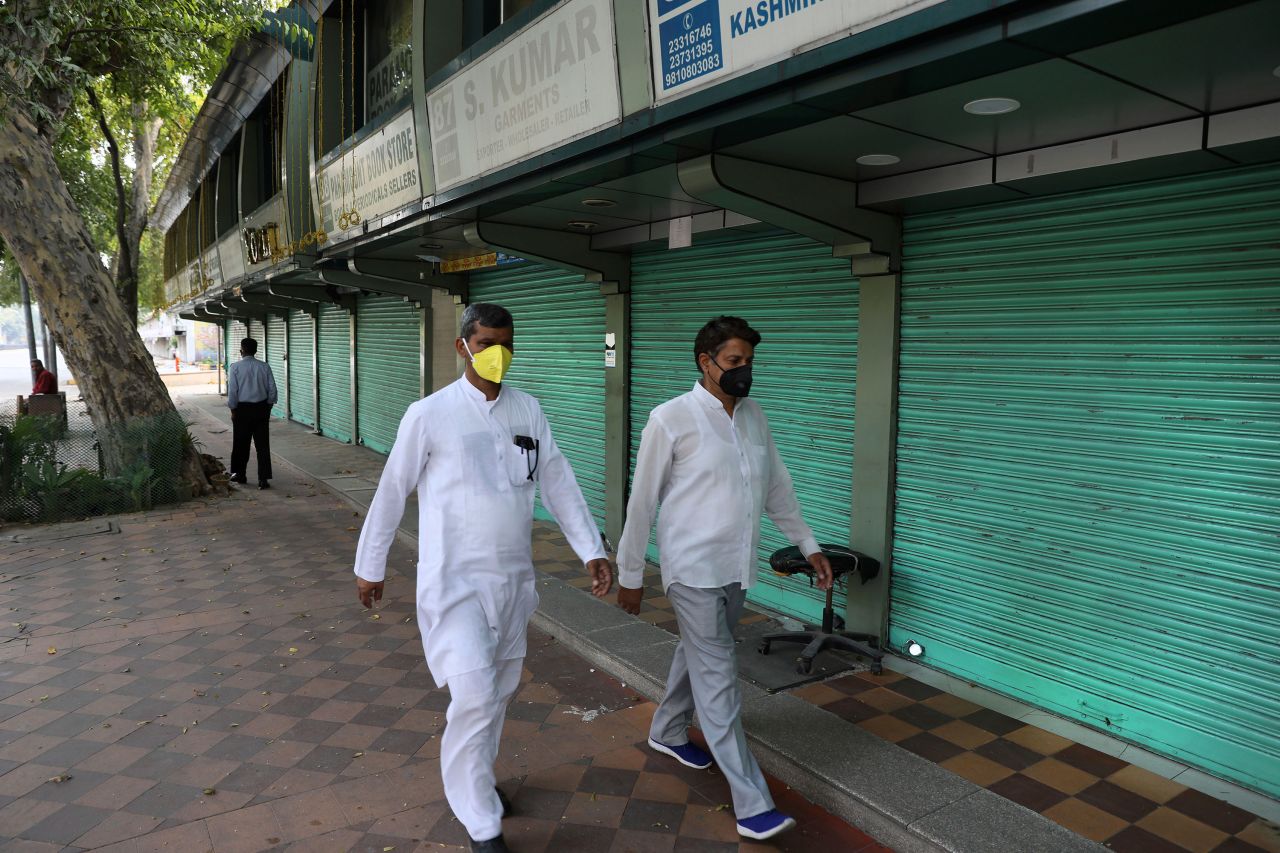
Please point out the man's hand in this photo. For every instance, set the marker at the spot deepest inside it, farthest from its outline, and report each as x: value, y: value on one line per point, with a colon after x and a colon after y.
x: 601, y: 571
x: 629, y: 599
x: 233, y: 414
x: 821, y: 569
x: 369, y: 591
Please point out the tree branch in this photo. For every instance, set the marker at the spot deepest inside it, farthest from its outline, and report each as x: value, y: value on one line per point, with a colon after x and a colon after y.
x: 125, y: 270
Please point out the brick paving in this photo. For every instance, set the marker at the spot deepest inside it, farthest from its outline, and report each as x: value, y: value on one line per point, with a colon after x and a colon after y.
x: 204, y: 680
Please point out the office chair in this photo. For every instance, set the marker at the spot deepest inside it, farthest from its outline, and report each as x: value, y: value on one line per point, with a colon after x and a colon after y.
x: 844, y: 562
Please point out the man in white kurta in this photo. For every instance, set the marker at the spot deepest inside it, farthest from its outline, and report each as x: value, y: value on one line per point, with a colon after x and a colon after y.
x: 708, y: 457
x: 460, y: 449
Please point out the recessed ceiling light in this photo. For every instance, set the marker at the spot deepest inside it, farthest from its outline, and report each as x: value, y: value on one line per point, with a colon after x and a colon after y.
x: 581, y: 224
x: 429, y: 246
x: 878, y: 160
x: 598, y: 202
x: 991, y: 106
x: 1276, y: 71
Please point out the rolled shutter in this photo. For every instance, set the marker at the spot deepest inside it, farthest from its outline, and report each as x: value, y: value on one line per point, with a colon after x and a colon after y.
x: 277, y: 341
x: 1088, y: 493
x: 335, y: 372
x: 237, y: 331
x: 559, y: 359
x: 302, y: 406
x: 804, y: 304
x: 388, y: 366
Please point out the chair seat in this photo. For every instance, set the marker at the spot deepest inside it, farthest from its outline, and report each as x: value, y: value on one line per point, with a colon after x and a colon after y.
x: 844, y: 561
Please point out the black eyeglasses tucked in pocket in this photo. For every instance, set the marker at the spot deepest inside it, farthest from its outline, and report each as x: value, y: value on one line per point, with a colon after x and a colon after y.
x: 529, y: 446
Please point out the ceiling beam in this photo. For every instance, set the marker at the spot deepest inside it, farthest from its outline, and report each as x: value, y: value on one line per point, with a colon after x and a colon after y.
x: 554, y: 248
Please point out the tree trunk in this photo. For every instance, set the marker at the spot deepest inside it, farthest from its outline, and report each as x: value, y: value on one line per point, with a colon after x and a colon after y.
x: 47, y: 236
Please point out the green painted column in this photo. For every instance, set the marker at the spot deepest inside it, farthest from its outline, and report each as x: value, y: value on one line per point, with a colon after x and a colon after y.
x: 875, y: 435
x: 617, y: 413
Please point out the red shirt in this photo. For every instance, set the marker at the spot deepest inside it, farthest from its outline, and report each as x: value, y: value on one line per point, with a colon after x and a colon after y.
x: 45, y: 383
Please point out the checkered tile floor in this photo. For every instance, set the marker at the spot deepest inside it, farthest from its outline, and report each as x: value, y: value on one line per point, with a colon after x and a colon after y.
x: 1100, y: 797
x: 204, y: 680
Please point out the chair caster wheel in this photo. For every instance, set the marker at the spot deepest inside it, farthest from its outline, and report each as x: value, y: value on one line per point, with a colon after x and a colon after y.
x: 804, y: 666
x: 763, y: 648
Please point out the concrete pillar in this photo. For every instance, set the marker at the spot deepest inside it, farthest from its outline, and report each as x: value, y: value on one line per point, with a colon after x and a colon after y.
x: 617, y: 410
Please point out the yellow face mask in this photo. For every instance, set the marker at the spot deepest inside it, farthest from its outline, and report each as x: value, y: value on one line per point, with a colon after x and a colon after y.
x: 492, y: 363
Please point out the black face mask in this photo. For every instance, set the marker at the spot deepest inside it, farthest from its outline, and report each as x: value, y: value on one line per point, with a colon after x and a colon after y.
x: 736, y: 382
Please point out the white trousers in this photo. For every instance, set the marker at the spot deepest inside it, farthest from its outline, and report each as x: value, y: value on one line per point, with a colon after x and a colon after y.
x: 473, y: 730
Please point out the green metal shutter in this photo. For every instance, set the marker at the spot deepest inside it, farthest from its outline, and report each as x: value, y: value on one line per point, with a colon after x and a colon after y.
x: 388, y: 366
x: 335, y: 372
x: 277, y: 337
x: 804, y: 304
x: 302, y: 404
x: 559, y: 358
x: 1088, y: 494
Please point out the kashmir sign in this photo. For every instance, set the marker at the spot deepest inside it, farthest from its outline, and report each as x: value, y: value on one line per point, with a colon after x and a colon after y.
x: 379, y: 175
x: 695, y: 42
x: 552, y: 82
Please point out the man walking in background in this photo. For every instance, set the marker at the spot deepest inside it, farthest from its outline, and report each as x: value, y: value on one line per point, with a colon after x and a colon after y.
x: 251, y: 392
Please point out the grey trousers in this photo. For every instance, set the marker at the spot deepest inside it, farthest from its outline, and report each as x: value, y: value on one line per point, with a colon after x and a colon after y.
x: 704, y: 677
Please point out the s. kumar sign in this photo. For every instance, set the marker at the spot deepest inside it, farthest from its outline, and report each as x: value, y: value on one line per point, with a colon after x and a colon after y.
x: 551, y: 82
x: 697, y: 41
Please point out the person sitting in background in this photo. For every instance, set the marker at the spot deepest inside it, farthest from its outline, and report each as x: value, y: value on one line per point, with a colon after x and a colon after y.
x: 45, y: 383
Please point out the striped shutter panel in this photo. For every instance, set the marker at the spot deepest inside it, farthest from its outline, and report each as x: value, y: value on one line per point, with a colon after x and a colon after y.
x: 237, y: 331
x: 559, y: 358
x: 804, y: 304
x: 302, y: 404
x: 1088, y: 494
x: 388, y: 366
x: 334, y: 361
x: 277, y: 340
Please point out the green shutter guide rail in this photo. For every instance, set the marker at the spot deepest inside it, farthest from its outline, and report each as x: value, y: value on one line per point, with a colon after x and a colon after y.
x: 388, y: 366
x: 804, y: 303
x: 1088, y: 492
x: 277, y: 336
x: 334, y: 377
x: 302, y: 404
x: 559, y: 358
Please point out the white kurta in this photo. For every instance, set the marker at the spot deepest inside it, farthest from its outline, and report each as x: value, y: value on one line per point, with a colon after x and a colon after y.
x: 714, y: 475
x: 476, y: 587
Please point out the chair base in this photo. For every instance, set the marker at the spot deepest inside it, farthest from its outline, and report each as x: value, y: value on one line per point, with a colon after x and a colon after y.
x: 816, y: 641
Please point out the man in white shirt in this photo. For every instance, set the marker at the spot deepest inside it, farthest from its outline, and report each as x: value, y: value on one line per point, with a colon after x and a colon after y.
x: 708, y: 457
x: 251, y: 392
x: 476, y: 451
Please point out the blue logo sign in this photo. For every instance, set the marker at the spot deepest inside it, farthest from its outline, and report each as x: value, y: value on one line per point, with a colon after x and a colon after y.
x: 690, y: 45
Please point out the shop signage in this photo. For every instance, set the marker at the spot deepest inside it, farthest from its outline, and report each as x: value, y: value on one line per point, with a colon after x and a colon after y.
x: 377, y: 176
x: 477, y: 262
x: 388, y: 81
x: 264, y: 234
x: 231, y: 257
x: 695, y: 42
x: 551, y: 82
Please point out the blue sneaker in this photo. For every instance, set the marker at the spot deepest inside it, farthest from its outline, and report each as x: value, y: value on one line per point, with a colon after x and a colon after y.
x: 765, y: 825
x: 686, y: 753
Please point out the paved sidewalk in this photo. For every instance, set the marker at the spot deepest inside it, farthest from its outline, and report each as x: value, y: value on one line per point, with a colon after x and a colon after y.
x: 904, y: 799
x: 203, y: 679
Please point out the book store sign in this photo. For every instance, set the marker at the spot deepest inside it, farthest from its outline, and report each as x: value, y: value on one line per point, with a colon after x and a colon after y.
x: 697, y: 41
x: 551, y: 82
x: 379, y: 175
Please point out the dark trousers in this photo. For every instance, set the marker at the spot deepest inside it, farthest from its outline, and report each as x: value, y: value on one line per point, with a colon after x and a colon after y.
x: 249, y: 421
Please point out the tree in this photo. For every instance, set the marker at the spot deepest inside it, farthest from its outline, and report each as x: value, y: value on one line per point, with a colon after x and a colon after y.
x: 51, y: 52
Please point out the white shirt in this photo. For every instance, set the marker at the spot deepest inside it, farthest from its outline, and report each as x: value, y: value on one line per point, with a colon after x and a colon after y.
x: 714, y: 475
x: 250, y: 381
x: 475, y: 513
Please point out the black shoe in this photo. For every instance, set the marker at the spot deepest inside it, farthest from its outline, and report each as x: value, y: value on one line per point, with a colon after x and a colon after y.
x: 263, y: 484
x: 506, y: 802
x: 239, y: 478
x: 493, y: 845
